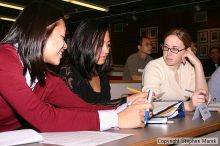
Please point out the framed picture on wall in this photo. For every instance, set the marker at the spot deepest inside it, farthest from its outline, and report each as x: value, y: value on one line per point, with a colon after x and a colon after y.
x: 203, y: 36
x: 214, y: 36
x: 143, y: 31
x: 206, y: 39
x: 153, y: 32
x: 203, y: 50
x: 214, y: 45
x: 154, y: 47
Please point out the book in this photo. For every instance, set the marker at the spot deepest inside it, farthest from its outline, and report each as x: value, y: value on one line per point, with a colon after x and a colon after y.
x: 169, y: 109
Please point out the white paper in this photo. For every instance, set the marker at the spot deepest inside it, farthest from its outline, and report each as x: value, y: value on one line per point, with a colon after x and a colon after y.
x: 17, y: 137
x: 201, y: 111
x: 204, y: 111
x: 157, y: 120
x: 196, y: 114
x: 81, y: 138
x: 162, y: 105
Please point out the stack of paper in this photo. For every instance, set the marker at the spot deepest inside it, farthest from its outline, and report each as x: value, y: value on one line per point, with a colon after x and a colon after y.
x: 79, y: 138
x: 17, y: 137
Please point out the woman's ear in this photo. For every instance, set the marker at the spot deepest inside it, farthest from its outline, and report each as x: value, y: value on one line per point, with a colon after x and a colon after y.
x: 139, y: 47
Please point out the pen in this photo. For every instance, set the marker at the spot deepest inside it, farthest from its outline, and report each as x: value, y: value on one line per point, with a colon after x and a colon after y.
x: 137, y: 91
x: 133, y: 90
x: 189, y: 90
x: 206, y: 96
x: 149, y: 98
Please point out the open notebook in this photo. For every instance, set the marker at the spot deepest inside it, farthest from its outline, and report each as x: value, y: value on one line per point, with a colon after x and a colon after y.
x: 167, y: 109
x: 164, y: 110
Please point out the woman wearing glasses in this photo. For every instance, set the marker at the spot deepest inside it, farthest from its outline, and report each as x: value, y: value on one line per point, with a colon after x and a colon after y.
x: 178, y: 75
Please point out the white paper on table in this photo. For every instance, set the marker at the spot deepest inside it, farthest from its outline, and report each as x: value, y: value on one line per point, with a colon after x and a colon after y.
x: 81, y: 138
x: 17, y: 137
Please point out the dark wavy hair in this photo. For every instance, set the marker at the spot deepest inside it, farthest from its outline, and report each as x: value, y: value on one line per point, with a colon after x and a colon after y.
x: 29, y: 34
x: 86, y: 44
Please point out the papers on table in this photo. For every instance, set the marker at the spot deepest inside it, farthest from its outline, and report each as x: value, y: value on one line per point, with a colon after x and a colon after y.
x: 81, y: 138
x: 18, y: 137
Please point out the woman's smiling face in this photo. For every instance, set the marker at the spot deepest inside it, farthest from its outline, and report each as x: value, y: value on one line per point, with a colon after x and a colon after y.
x: 55, y: 44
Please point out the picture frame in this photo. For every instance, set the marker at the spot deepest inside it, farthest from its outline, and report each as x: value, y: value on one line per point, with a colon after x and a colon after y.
x: 154, y: 47
x: 203, y: 36
x: 203, y: 51
x: 153, y: 32
x: 206, y: 39
x: 214, y: 36
x: 143, y: 31
x: 214, y: 45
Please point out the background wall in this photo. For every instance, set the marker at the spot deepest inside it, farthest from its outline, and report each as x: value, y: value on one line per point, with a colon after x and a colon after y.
x: 124, y: 43
x: 165, y: 18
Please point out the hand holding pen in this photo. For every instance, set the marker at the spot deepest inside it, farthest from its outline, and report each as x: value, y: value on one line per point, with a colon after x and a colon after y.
x: 133, y: 115
x: 199, y: 97
x: 147, y: 112
x: 155, y: 97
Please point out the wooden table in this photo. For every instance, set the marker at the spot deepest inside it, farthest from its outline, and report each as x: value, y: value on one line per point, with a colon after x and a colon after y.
x: 183, y: 127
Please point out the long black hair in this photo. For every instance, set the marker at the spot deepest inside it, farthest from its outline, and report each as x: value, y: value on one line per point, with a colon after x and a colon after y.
x: 29, y: 34
x: 86, y: 44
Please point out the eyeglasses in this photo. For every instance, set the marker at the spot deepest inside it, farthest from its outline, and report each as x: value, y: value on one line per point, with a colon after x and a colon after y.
x: 173, y: 50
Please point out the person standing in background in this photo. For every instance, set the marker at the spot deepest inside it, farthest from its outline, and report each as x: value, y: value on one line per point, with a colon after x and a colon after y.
x: 136, y: 62
x: 213, y: 62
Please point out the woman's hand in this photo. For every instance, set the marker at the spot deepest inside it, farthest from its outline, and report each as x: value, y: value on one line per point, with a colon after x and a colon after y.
x: 133, y: 116
x: 199, y: 97
x: 137, y: 98
x: 191, y: 57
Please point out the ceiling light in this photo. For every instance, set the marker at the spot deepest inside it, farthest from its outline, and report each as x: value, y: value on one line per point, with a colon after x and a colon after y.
x: 12, y: 6
x: 7, y: 18
x: 86, y: 4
